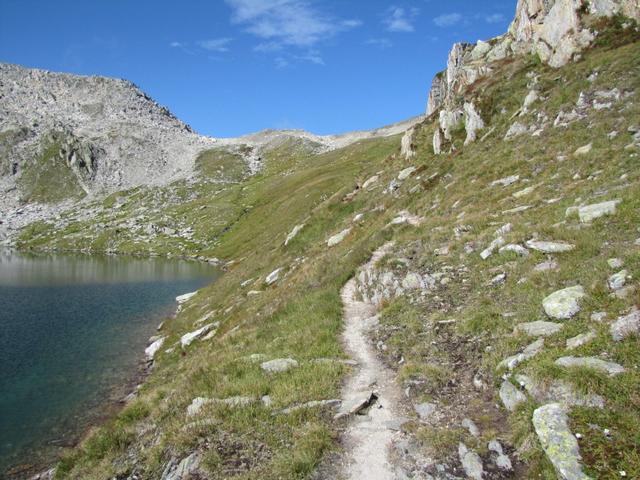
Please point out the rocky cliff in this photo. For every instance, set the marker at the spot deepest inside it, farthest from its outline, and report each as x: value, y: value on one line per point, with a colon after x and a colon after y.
x: 556, y: 31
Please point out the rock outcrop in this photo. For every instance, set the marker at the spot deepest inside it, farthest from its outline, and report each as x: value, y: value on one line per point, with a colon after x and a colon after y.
x: 554, y: 30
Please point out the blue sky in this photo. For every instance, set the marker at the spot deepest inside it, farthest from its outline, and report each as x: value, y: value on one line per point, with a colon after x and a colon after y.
x: 229, y: 67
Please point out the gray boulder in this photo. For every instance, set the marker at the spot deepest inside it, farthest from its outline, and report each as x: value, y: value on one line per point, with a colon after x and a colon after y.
x: 471, y: 462
x: 589, y: 213
x: 538, y: 328
x: 551, y: 424
x: 626, y: 325
x: 564, y: 304
x: 279, y: 365
x: 511, y: 397
x: 610, y: 368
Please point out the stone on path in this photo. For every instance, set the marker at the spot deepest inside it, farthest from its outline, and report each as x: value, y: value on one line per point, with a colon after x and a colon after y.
x: 551, y: 424
x: 511, y: 397
x: 333, y: 403
x: 550, y: 247
x: 538, y: 328
x: 591, y: 212
x: 338, y: 238
x: 356, y: 404
x: 279, y: 365
x: 564, y: 304
x: 626, y: 325
x: 610, y: 368
x: 471, y: 462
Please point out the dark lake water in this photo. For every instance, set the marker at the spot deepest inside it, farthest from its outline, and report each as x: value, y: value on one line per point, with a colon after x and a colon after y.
x: 73, y: 330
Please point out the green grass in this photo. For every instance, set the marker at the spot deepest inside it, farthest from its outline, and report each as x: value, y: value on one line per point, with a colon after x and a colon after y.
x: 437, y: 342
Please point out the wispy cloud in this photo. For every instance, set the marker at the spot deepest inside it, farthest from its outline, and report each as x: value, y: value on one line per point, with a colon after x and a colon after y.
x: 448, y: 19
x: 401, y: 19
x: 215, y: 44
x: 294, y: 23
x: 379, y: 42
x: 177, y: 45
x: 494, y: 18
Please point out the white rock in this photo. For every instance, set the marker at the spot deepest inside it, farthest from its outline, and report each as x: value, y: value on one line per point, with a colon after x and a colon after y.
x: 564, y: 304
x: 471, y: 426
x: 511, y: 397
x: 472, y: 122
x: 188, y: 338
x: 546, y: 266
x: 199, y: 402
x: 185, y: 468
x: 550, y: 247
x: 529, y: 100
x: 591, y: 212
x: 370, y: 182
x: 584, y: 150
x: 515, y: 130
x: 529, y: 352
x: 502, y: 460
x: 406, y: 146
x: 524, y: 192
x: 551, y: 424
x: 279, y: 365
x: 406, y: 173
x: 615, y: 263
x: 626, y: 325
x: 152, y: 349
x: 497, y: 243
x: 505, y: 182
x: 610, y: 368
x: 425, y: 410
x: 273, y: 277
x: 183, y: 298
x: 338, y: 238
x: 471, y: 462
x: 598, y: 316
x: 296, y: 230
x: 517, y: 249
x: 618, y: 280
x: 538, y: 328
x: 579, y: 340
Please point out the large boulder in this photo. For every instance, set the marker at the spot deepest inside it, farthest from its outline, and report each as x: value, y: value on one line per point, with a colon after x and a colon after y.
x: 564, y: 304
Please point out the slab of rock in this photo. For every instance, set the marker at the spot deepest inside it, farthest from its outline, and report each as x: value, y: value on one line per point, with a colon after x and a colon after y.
x: 551, y: 424
x: 183, y: 298
x: 550, y: 247
x: 188, y: 338
x: 406, y: 217
x: 338, y: 238
x: 152, y: 349
x: 511, y: 397
x: 506, y: 181
x: 618, y: 280
x: 296, y: 230
x: 529, y: 352
x: 579, y: 340
x: 406, y: 173
x: 279, y: 365
x: 370, y: 182
x: 539, y: 328
x: 517, y: 249
x: 610, y: 368
x: 559, y: 391
x: 273, y: 277
x: 583, y: 150
x: 471, y: 426
x: 497, y: 243
x: 333, y: 403
x: 591, y: 212
x: 502, y: 460
x: 524, y: 192
x: 626, y: 325
x: 356, y: 404
x: 516, y: 129
x: 199, y: 402
x: 471, y: 462
x: 546, y: 266
x: 565, y: 303
x: 425, y: 410
x: 184, y: 470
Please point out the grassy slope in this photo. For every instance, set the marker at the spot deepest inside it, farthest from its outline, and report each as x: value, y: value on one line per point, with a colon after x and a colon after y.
x: 300, y: 316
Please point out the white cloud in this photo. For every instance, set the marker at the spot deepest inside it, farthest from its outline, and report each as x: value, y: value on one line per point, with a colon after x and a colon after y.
x: 379, y: 42
x: 215, y: 44
x: 177, y: 45
x: 494, y: 18
x: 400, y: 19
x: 287, y: 22
x: 447, y: 20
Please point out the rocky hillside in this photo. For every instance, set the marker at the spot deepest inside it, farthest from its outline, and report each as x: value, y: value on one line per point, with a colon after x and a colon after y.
x: 398, y: 307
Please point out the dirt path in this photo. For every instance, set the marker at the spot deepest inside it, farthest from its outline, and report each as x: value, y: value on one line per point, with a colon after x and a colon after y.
x: 369, y: 435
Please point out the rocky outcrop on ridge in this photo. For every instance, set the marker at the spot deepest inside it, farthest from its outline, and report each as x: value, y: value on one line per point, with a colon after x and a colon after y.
x: 554, y: 30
